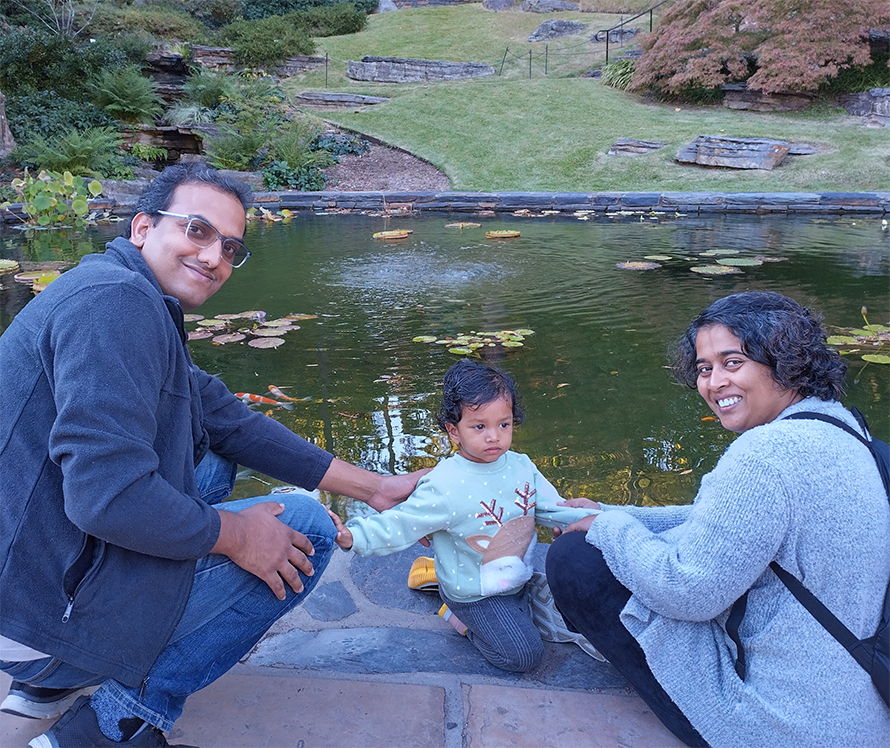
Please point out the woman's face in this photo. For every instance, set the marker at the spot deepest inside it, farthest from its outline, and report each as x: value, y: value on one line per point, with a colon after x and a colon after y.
x: 741, y: 392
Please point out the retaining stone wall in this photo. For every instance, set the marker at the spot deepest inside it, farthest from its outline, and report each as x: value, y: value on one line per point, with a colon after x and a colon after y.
x: 505, y: 202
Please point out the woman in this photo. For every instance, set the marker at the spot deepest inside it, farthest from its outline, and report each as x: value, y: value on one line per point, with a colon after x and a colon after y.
x: 651, y: 588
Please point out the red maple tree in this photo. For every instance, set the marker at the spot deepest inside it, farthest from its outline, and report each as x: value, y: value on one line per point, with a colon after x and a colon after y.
x: 791, y: 45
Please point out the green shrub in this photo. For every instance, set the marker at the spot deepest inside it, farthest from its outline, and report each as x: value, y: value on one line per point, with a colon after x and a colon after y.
x: 231, y: 149
x: 341, y: 145
x: 253, y: 10
x: 127, y: 95
x: 213, y: 13
x: 331, y: 20
x: 34, y: 60
x: 279, y: 175
x: 50, y: 115
x: 93, y: 152
x: 157, y: 22
x: 149, y: 153
x: 267, y: 41
x: 859, y: 78
x: 618, y: 74
x: 183, y: 114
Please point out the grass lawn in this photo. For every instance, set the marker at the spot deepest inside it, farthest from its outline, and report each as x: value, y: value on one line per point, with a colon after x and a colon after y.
x: 552, y: 132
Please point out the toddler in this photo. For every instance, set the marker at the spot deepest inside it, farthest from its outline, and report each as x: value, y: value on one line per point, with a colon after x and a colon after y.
x: 480, y: 506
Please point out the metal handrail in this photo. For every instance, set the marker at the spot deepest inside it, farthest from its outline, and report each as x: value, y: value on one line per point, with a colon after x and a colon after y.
x: 628, y: 20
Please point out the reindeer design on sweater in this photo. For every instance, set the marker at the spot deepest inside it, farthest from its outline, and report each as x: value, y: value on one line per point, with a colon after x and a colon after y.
x: 506, y: 555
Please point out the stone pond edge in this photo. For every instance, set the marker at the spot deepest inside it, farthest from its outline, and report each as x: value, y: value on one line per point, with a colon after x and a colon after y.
x: 407, y: 202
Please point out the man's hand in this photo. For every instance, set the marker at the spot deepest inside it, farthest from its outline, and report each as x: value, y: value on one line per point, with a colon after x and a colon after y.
x: 393, y: 489
x: 266, y: 547
x: 377, y: 491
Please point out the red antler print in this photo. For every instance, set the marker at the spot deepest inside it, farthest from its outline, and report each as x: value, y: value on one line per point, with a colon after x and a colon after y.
x: 490, y: 512
x: 524, y: 505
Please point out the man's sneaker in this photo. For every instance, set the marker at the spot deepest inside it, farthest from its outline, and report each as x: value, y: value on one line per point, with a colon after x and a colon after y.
x: 79, y: 728
x: 34, y: 702
x: 549, y: 622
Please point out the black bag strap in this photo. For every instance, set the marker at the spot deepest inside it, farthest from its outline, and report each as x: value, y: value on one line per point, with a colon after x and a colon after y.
x: 823, y: 615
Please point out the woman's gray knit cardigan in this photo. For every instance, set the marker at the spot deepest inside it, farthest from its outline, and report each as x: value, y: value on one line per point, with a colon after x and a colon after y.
x: 803, y: 493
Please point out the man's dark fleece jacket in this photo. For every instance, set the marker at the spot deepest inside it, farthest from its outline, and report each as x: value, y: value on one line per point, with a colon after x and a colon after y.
x: 103, y: 417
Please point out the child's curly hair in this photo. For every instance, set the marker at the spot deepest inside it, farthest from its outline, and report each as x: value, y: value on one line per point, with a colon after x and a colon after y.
x: 774, y: 331
x: 469, y: 384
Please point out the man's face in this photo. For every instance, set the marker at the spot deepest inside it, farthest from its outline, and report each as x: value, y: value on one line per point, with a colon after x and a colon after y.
x: 185, y: 271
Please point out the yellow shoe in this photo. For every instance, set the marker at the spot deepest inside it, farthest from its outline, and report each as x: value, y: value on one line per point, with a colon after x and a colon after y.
x: 423, y: 575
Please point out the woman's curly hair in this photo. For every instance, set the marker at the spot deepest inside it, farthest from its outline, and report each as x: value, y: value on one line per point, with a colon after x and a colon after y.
x: 469, y: 384
x: 774, y: 331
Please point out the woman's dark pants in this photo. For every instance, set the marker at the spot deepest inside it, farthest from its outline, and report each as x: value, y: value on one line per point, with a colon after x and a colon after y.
x: 590, y: 599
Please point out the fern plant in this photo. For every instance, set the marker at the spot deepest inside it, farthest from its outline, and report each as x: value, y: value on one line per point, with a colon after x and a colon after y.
x: 127, y: 95
x: 93, y: 152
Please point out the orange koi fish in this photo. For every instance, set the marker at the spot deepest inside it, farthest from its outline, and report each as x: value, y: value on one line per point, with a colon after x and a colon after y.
x: 247, y: 397
x: 280, y: 395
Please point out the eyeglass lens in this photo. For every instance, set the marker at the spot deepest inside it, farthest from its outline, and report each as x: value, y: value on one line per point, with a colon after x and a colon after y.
x: 202, y: 234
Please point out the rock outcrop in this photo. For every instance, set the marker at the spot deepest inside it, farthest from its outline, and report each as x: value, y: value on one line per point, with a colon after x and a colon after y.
x: 734, y: 153
x: 552, y: 29
x: 7, y: 142
x: 408, y: 70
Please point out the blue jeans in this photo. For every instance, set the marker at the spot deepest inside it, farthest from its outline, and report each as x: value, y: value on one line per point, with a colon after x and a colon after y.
x: 228, y: 611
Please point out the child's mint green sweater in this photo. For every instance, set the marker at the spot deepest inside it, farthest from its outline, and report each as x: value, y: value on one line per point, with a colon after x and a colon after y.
x: 464, y: 504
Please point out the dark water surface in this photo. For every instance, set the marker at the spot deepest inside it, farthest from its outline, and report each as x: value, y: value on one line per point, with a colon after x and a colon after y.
x: 603, y: 417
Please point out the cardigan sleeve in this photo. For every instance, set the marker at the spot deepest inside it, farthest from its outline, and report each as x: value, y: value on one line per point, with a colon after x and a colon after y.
x: 698, y: 569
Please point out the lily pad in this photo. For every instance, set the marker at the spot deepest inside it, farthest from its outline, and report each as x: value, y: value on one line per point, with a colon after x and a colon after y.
x: 841, y: 340
x: 424, y: 339
x: 265, y: 332
x: 658, y: 258
x: 394, y: 234
x: 463, y: 225
x: 32, y: 276
x: 511, y: 344
x: 637, y: 265
x: 300, y: 317
x: 8, y: 266
x: 502, y: 234
x: 525, y: 331
x: 741, y: 262
x: 715, y: 270
x: 716, y: 252
x: 200, y: 334
x: 232, y: 337
x: 265, y: 342
x: 876, y: 358
x: 764, y: 258
x: 192, y: 317
x: 278, y: 323
x: 212, y: 322
x: 461, y: 351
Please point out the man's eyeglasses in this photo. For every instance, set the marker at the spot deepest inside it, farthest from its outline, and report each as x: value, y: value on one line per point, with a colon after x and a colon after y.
x: 202, y: 234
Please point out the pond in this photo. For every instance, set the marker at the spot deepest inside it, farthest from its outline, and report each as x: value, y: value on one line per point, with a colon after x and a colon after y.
x: 603, y: 416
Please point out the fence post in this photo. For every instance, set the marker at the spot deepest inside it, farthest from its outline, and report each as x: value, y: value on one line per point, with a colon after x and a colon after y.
x: 545, y: 58
x: 326, y: 70
x: 607, y: 47
x: 529, y: 64
x: 504, y: 60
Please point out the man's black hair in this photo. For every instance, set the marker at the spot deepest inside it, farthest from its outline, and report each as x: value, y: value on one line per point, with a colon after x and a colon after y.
x: 159, y: 194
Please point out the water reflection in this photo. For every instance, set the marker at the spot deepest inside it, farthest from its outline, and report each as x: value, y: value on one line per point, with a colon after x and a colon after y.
x: 604, y: 418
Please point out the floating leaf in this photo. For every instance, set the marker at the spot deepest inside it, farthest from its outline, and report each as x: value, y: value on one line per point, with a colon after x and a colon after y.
x: 763, y: 258
x: 192, y: 317
x: 637, y: 265
x: 267, y: 332
x: 463, y: 225
x: 265, y: 343
x: 212, y: 322
x: 232, y: 337
x: 31, y: 277
x: 715, y: 252
x: 394, y: 234
x: 715, y: 270
x: 511, y: 344
x: 461, y: 351
x: 525, y: 331
x: 502, y: 234
x: 424, y: 339
x: 841, y: 340
x: 7, y: 266
x: 658, y: 258
x: 300, y: 317
x: 200, y: 334
x: 740, y: 262
x: 278, y: 323
x: 876, y: 358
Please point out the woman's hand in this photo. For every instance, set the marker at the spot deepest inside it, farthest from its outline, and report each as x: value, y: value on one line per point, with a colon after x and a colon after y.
x: 582, y: 524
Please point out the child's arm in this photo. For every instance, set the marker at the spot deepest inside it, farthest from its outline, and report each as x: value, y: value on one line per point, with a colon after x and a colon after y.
x: 344, y: 537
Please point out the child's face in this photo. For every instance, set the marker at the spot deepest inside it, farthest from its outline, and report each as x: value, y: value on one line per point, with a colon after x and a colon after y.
x: 483, y: 434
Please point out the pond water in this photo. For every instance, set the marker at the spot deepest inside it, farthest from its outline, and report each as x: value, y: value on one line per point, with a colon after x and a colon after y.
x: 603, y: 416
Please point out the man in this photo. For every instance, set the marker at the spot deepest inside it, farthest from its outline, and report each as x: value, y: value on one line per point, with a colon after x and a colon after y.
x: 118, y: 567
